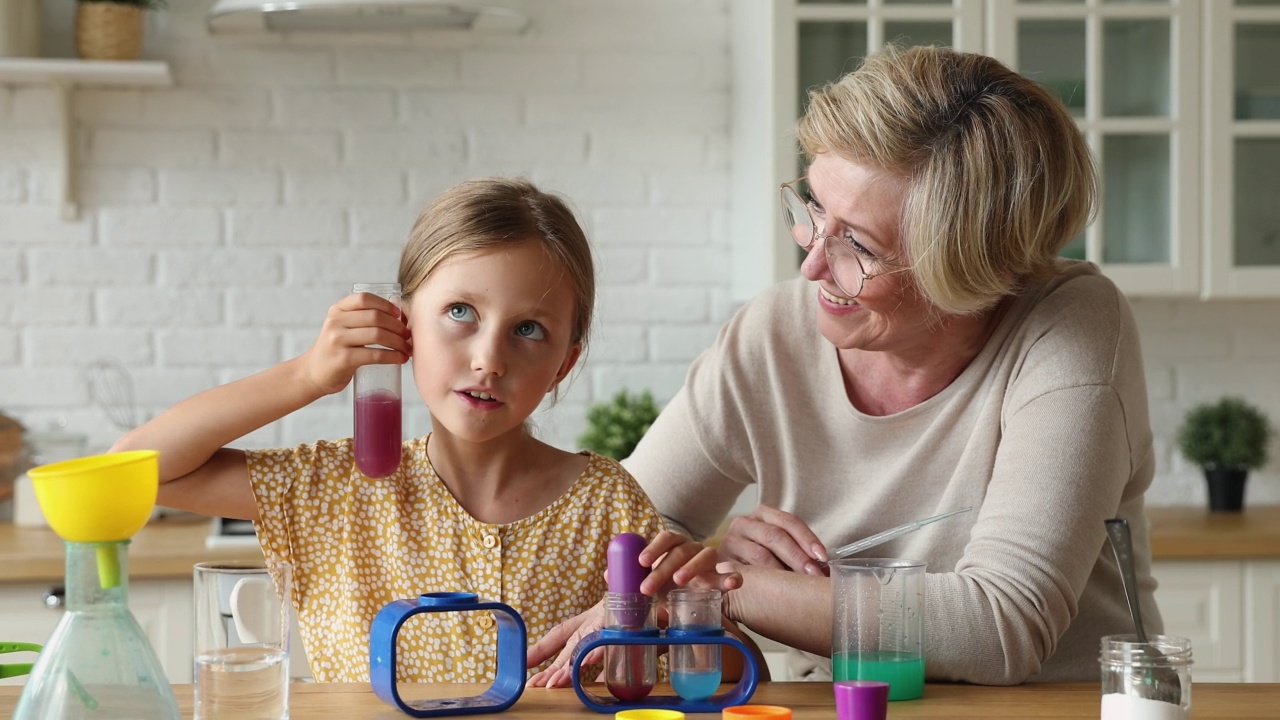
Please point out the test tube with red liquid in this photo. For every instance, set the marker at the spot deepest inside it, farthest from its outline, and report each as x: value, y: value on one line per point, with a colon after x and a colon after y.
x: 378, y: 433
x: 630, y: 671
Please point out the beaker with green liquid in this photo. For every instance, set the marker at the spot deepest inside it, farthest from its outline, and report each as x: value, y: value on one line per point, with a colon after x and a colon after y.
x: 97, y: 664
x: 878, y: 623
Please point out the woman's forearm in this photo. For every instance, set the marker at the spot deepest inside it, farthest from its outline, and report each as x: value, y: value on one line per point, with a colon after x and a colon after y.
x: 189, y: 433
x: 784, y: 606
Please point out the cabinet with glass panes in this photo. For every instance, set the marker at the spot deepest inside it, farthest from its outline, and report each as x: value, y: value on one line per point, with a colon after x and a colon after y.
x: 1183, y: 212
x: 1242, y: 109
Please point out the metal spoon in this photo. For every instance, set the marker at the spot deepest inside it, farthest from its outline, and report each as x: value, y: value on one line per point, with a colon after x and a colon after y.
x: 1156, y: 683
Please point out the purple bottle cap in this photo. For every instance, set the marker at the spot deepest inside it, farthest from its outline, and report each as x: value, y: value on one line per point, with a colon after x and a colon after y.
x: 861, y: 699
x: 625, y: 572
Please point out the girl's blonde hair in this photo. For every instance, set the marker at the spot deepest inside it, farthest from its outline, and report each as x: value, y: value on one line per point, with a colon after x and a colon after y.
x: 489, y: 213
x: 999, y: 177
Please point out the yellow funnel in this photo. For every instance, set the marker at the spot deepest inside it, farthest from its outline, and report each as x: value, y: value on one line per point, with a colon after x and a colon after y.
x: 100, y: 498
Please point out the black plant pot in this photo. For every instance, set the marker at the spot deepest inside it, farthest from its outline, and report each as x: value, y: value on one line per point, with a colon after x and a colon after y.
x: 1226, y: 488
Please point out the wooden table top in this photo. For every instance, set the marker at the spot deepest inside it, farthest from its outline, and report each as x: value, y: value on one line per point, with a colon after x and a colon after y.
x: 808, y: 701
x: 1186, y: 533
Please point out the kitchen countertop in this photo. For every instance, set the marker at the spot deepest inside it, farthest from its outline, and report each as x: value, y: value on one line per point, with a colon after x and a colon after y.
x: 168, y: 548
x: 162, y: 549
x: 807, y: 700
x: 1189, y: 533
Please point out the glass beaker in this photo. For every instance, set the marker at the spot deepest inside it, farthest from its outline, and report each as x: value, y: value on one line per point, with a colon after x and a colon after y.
x: 695, y: 669
x: 1141, y: 679
x: 242, y: 640
x: 878, y: 623
x: 97, y: 663
x: 630, y: 671
x: 378, y: 433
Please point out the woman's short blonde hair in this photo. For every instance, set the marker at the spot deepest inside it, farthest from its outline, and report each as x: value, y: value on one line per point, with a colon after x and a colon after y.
x: 488, y: 213
x: 999, y: 177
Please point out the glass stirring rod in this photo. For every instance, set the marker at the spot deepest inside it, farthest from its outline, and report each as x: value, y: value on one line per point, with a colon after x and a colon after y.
x: 884, y: 537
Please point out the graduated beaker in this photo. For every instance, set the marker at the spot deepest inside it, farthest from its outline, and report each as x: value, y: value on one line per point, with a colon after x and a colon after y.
x: 878, y: 623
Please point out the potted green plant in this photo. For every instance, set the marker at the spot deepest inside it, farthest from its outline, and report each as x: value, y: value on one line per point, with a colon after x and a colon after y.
x: 615, y: 428
x: 1227, y: 439
x: 111, y: 29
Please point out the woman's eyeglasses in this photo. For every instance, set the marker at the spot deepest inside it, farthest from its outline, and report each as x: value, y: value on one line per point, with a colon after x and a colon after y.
x: 847, y: 268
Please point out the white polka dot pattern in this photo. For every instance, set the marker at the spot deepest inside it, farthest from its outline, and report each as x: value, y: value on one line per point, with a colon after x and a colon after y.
x: 358, y: 543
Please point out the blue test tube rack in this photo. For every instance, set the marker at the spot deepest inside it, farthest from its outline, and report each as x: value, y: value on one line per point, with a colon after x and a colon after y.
x: 738, y: 695
x: 509, y: 680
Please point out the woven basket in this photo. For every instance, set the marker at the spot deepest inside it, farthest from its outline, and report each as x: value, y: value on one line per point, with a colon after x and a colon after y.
x: 108, y: 31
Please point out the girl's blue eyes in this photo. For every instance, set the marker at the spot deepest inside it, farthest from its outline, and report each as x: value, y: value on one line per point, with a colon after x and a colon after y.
x: 530, y: 329
x: 462, y: 313
x: 467, y: 314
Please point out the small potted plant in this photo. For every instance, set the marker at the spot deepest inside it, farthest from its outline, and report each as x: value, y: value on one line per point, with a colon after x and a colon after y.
x: 615, y: 428
x: 111, y: 29
x: 1227, y: 439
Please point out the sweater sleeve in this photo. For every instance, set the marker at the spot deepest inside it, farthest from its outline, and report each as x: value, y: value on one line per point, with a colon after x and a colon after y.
x: 1075, y: 449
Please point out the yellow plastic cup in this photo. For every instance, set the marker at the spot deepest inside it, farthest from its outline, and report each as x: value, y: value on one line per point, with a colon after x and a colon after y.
x: 649, y: 714
x: 100, y: 498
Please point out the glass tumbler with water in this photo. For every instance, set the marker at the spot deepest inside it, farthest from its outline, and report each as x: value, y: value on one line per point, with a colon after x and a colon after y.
x: 878, y: 623
x: 378, y: 433
x: 242, y: 640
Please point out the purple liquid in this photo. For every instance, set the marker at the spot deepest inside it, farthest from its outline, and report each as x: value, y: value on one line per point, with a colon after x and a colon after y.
x: 378, y: 434
x: 630, y: 671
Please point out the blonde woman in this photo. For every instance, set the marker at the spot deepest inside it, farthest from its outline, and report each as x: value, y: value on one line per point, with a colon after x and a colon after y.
x: 935, y: 354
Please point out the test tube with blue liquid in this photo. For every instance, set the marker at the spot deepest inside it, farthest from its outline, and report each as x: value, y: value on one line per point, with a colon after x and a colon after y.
x: 630, y: 671
x: 695, y: 669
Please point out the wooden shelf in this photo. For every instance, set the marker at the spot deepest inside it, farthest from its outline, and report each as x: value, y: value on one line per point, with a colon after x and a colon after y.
x: 63, y: 76
x: 84, y: 72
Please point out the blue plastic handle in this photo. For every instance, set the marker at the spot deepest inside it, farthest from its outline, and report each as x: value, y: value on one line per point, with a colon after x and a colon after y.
x: 740, y: 694
x: 508, y: 681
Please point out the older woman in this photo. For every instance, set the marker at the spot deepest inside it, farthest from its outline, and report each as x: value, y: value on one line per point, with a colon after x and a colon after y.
x: 936, y: 354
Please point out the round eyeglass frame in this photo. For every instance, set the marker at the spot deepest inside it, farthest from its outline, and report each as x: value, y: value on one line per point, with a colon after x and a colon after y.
x: 835, y: 251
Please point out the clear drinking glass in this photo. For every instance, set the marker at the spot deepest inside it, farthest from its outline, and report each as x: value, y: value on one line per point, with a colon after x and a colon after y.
x: 695, y: 669
x: 378, y: 433
x: 878, y: 623
x: 630, y: 671
x: 242, y: 640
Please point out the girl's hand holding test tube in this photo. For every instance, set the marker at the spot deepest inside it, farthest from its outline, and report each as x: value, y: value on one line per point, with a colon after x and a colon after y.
x: 674, y: 561
x: 352, y: 324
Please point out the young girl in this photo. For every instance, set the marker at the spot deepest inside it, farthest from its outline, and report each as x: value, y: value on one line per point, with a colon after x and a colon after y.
x: 499, y: 285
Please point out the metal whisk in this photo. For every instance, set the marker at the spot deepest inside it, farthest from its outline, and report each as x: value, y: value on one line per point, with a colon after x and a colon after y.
x: 111, y: 389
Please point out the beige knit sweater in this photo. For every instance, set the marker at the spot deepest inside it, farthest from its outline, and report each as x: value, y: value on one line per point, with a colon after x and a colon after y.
x: 1046, y: 434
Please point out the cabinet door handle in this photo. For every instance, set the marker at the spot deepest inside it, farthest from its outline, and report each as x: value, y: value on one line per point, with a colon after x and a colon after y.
x: 55, y: 597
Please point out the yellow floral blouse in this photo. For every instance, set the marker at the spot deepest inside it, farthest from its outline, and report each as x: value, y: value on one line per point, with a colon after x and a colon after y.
x: 358, y: 543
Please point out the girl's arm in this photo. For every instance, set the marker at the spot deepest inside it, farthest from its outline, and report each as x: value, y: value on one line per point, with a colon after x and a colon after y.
x: 197, y: 472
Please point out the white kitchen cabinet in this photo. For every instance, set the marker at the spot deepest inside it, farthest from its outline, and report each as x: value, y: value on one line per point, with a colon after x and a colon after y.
x: 1242, y: 153
x: 1179, y: 100
x: 1262, y: 605
x: 1230, y: 610
x: 162, y: 607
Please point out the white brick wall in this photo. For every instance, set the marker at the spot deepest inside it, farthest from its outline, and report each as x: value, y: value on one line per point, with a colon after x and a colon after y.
x: 222, y: 216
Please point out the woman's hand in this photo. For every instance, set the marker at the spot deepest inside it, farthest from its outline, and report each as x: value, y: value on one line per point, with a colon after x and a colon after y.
x: 674, y: 561
x: 354, y: 322
x: 770, y: 537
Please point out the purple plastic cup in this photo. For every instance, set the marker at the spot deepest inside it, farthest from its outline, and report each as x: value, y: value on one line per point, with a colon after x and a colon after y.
x: 861, y: 699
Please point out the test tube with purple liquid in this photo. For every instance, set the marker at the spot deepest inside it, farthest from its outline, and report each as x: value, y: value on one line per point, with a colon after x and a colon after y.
x: 378, y: 433
x: 630, y: 671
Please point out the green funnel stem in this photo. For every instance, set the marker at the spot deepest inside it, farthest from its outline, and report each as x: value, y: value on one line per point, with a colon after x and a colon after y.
x: 108, y: 566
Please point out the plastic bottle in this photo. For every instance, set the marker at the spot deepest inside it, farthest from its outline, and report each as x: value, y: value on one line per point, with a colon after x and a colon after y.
x: 695, y: 669
x: 97, y: 663
x: 630, y: 671
x: 378, y: 433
